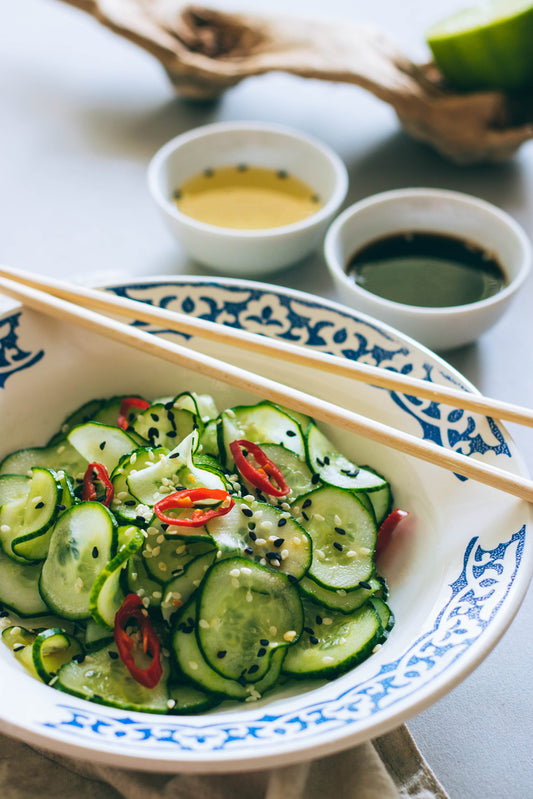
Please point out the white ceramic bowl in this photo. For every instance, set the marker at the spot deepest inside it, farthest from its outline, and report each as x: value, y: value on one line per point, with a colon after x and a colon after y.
x: 435, y: 211
x: 456, y: 575
x: 247, y: 252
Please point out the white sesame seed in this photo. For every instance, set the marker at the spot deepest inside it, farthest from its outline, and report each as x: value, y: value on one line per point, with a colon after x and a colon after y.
x: 156, y: 594
x: 327, y: 659
x: 284, y: 554
x: 192, y: 665
x: 289, y: 636
x: 204, y: 623
x: 326, y: 620
x: 235, y: 572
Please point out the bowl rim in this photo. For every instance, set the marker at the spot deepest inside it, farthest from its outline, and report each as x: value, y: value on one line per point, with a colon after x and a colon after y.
x: 338, y: 272
x: 322, y: 214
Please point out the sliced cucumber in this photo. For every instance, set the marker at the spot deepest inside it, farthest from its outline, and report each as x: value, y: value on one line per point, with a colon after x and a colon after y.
x: 263, y: 534
x: 193, y: 665
x: 168, y: 557
x: 85, y: 413
x: 343, y: 532
x: 164, y: 425
x: 32, y: 536
x: 185, y: 699
x: 100, y: 443
x: 125, y: 504
x: 294, y: 469
x: 262, y: 423
x: 20, y: 641
x: 19, y: 588
x: 181, y: 588
x: 241, y: 605
x: 341, y: 600
x: 82, y: 544
x: 107, y: 595
x: 334, y: 468
x: 136, y: 579
x: 51, y: 649
x: 102, y: 677
x: 329, y: 650
x: 61, y: 456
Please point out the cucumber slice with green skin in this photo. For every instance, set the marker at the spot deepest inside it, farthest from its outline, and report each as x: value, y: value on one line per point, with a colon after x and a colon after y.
x: 166, y: 558
x: 14, y: 490
x: 193, y: 665
x: 381, y: 499
x: 20, y: 641
x: 385, y: 614
x: 185, y: 699
x: 343, y: 532
x: 85, y: 413
x: 60, y: 456
x: 107, y: 595
x: 341, y: 600
x: 137, y: 580
x: 68, y: 497
x: 165, y: 425
x: 294, y: 469
x: 262, y: 423
x: 240, y: 606
x: 125, y: 504
x: 262, y: 534
x: 331, y: 650
x: 51, y: 649
x: 152, y: 481
x: 102, y: 677
x: 95, y: 636
x: 100, y: 443
x: 82, y: 544
x: 334, y: 468
x: 19, y: 588
x: 32, y: 535
x: 209, y: 439
x: 180, y: 589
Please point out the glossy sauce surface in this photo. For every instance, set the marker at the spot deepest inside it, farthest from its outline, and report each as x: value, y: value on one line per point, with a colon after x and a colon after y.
x: 246, y: 197
x: 426, y: 269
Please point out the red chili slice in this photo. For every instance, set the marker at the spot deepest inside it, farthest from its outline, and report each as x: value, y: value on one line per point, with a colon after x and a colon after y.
x: 97, y: 472
x: 266, y: 475
x: 125, y: 405
x: 387, y: 528
x: 189, y: 498
x: 132, y: 608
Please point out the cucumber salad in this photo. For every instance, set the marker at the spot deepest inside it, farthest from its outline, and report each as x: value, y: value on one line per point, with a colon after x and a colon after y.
x: 163, y: 556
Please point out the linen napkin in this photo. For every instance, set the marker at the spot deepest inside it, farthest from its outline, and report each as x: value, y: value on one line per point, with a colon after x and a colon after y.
x: 390, y: 767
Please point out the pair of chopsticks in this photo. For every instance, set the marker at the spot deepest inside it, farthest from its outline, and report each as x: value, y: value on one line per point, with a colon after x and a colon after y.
x: 82, y: 306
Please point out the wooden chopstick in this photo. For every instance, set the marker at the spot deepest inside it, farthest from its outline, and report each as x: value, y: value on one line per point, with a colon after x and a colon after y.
x: 293, y: 353
x: 269, y: 389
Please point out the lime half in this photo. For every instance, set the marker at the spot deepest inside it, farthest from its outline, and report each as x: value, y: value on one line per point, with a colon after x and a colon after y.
x: 486, y: 47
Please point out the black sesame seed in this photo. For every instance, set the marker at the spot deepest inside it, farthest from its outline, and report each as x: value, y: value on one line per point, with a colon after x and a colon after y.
x: 241, y: 679
x: 252, y: 535
x: 248, y: 550
x: 326, y: 460
x: 319, y: 461
x: 3, y: 614
x: 264, y: 641
x: 79, y: 658
x: 278, y: 542
x: 253, y: 669
x: 209, y: 172
x: 169, y: 405
x: 242, y: 167
x: 171, y: 434
x: 102, y: 444
x: 282, y: 173
x: 337, y: 546
x: 364, y: 584
x: 177, y: 194
x: 221, y: 654
x: 247, y: 511
x: 113, y: 655
x: 315, y: 198
x: 95, y: 552
x: 273, y: 556
x: 18, y: 647
x: 340, y: 530
x: 309, y: 630
x: 164, y: 526
x: 290, y: 433
x: 129, y: 503
x: 282, y: 522
x: 315, y: 478
x: 306, y: 517
x: 153, y: 432
x: 98, y: 698
x: 171, y: 415
x: 292, y: 579
x: 318, y: 619
x: 155, y: 417
x: 40, y: 505
x: 307, y: 502
x: 261, y: 652
x: 140, y: 519
x: 313, y: 639
x: 251, y: 525
x: 175, y: 572
x: 174, y: 455
x: 60, y: 507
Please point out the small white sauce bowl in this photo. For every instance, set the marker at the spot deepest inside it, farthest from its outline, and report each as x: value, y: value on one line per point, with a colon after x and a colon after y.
x: 248, y: 252
x: 435, y: 211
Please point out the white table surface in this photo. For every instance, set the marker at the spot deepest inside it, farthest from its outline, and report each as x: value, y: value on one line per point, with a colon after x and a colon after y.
x: 82, y: 112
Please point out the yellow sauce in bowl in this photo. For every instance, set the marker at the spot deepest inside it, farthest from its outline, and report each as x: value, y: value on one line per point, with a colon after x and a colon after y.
x: 246, y: 198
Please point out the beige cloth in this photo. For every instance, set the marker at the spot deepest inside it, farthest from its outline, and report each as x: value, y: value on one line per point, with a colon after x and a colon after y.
x: 389, y: 768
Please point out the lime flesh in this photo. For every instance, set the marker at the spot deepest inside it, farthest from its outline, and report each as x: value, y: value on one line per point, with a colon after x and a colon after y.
x: 489, y: 46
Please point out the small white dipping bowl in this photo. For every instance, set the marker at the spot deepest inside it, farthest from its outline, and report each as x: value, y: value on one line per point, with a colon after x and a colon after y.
x: 248, y: 252
x: 432, y: 211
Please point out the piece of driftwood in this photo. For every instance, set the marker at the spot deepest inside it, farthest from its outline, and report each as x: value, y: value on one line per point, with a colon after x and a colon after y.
x: 206, y: 51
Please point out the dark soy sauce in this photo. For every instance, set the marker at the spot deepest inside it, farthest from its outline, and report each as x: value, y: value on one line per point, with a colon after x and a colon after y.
x: 426, y: 269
